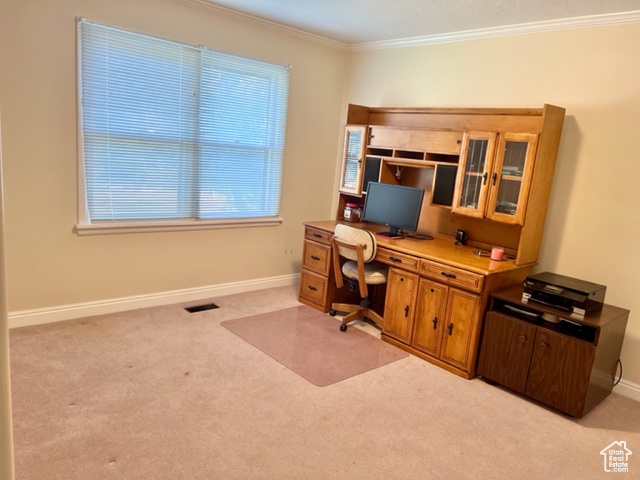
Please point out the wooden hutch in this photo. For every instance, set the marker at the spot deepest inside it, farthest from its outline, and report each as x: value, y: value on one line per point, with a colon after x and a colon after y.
x: 486, y: 171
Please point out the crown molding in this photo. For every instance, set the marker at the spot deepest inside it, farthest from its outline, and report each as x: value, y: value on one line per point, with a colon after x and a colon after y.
x: 509, y: 30
x: 462, y: 36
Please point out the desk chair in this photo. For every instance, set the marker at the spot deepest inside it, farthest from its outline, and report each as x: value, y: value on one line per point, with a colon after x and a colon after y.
x: 358, y: 246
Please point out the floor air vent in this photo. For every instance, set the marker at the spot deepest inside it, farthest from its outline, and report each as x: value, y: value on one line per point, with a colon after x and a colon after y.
x: 201, y: 308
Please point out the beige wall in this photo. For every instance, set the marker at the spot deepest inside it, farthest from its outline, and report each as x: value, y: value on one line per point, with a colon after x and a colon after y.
x: 48, y: 265
x: 6, y: 432
x: 593, y: 226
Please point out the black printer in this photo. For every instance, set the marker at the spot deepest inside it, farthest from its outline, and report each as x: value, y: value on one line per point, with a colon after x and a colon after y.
x: 566, y: 293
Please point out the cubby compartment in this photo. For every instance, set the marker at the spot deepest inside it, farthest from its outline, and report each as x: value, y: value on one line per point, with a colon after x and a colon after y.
x: 408, y: 154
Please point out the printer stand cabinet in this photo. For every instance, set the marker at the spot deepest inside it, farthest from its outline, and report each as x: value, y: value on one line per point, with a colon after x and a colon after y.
x: 569, y: 365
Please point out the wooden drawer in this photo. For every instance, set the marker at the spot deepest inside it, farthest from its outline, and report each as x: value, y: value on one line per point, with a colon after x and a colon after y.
x: 314, y: 288
x: 316, y: 257
x: 453, y: 276
x: 400, y: 260
x: 317, y: 235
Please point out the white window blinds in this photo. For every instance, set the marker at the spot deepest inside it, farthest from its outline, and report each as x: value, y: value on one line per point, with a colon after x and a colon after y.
x: 176, y: 132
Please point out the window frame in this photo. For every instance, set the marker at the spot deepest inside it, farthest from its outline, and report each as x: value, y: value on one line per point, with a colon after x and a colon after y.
x: 84, y: 226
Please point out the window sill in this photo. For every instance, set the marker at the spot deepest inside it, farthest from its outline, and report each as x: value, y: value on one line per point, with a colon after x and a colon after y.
x: 105, y: 228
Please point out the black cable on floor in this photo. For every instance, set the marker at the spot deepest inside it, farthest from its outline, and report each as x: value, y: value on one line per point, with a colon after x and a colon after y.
x: 620, y: 377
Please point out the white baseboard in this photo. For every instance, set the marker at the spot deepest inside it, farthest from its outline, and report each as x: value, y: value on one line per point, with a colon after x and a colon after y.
x: 628, y: 389
x: 39, y: 316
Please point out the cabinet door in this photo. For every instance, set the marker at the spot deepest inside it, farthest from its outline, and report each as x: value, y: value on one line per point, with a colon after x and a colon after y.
x: 402, y: 288
x: 387, y: 137
x: 461, y: 322
x: 430, y: 320
x: 506, y: 349
x: 353, y: 158
x: 476, y: 157
x: 560, y: 371
x: 511, y: 177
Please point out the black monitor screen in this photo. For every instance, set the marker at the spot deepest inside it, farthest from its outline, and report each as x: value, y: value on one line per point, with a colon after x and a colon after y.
x: 394, y: 205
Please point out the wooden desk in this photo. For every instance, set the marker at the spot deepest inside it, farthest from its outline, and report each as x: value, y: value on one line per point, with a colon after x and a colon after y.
x: 436, y: 292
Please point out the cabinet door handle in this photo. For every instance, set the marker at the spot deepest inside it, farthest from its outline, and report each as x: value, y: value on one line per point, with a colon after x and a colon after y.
x: 406, y: 311
x: 312, y: 288
x: 448, y: 275
x: 435, y: 322
x: 450, y: 327
x: 544, y: 346
x: 494, y: 177
x: 395, y: 259
x: 484, y: 178
x: 313, y: 257
x: 523, y: 338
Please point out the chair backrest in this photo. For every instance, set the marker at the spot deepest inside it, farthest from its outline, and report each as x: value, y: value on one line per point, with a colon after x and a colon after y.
x: 357, y: 236
x: 353, y: 244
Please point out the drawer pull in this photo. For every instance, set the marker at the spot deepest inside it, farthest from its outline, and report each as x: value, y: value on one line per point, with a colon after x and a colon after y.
x: 395, y: 259
x: 523, y: 338
x: 435, y: 322
x: 314, y: 257
x: 317, y: 235
x: 312, y: 288
x: 544, y: 346
x: 448, y: 275
x: 450, y: 327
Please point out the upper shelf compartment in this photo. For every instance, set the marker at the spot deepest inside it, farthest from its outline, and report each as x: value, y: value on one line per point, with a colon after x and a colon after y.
x: 427, y: 141
x: 414, y: 147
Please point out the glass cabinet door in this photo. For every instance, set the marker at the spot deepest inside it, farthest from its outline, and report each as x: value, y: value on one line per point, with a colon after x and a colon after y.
x: 477, y: 153
x: 511, y: 177
x: 353, y: 160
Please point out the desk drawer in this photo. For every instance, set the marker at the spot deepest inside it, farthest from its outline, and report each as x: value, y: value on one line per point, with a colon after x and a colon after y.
x: 317, y: 235
x: 400, y: 260
x: 453, y: 276
x: 314, y: 288
x: 316, y: 257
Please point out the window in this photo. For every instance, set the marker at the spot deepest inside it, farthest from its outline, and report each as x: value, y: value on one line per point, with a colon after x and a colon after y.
x: 173, y: 133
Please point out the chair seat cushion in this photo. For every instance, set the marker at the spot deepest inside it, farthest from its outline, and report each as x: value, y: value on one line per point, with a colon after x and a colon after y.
x: 374, y: 273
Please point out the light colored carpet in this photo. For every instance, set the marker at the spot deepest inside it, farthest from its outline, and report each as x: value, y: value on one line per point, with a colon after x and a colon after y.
x: 311, y: 344
x: 161, y: 394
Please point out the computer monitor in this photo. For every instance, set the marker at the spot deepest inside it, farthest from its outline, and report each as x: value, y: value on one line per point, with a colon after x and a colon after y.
x: 394, y: 205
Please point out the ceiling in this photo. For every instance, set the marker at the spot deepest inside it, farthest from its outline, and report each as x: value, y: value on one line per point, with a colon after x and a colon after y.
x: 357, y: 22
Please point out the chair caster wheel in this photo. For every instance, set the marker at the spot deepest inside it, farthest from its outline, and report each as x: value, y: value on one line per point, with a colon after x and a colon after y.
x: 343, y: 327
x: 333, y: 312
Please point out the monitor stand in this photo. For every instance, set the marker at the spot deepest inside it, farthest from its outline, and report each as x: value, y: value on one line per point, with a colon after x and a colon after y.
x: 392, y: 233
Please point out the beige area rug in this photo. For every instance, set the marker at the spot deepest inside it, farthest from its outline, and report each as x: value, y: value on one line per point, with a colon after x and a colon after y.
x: 311, y: 344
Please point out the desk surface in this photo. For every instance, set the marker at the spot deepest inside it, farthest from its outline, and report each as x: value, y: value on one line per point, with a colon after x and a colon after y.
x: 438, y: 250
